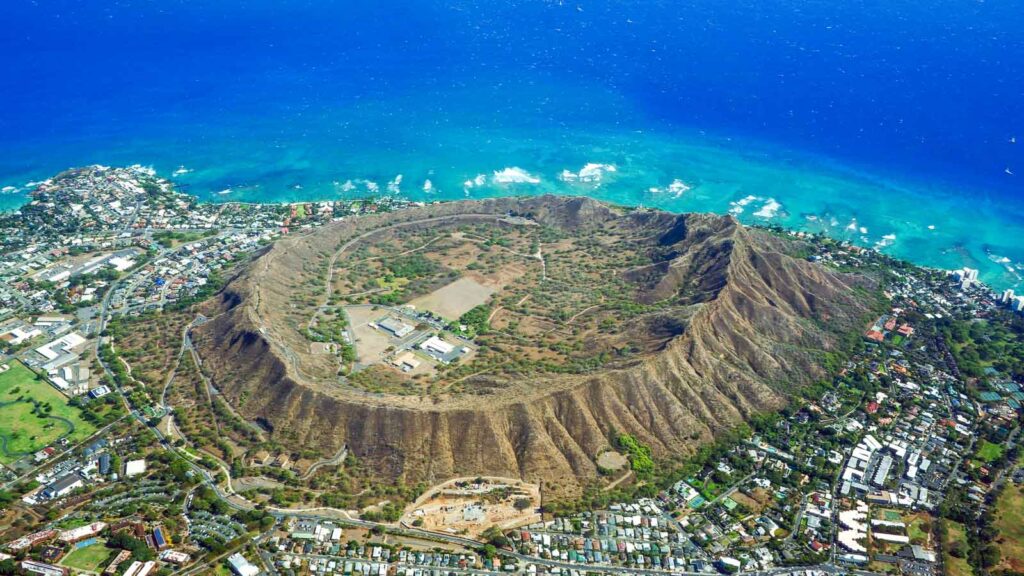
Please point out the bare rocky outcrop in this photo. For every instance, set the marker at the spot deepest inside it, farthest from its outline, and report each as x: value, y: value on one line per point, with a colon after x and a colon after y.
x: 762, y: 320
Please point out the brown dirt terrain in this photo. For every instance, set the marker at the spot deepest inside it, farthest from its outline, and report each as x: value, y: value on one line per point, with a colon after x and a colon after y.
x: 699, y: 323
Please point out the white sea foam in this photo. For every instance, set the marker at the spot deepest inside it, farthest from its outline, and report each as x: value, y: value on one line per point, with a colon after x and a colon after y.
x: 887, y: 240
x: 475, y: 182
x: 372, y: 187
x: 225, y: 191
x: 428, y: 186
x: 181, y: 171
x: 852, y: 226
x: 395, y: 185
x: 677, y: 188
x: 863, y: 230
x: 769, y: 210
x: 737, y: 207
x: 348, y: 186
x: 514, y: 175
x: 591, y: 173
x: 9, y: 190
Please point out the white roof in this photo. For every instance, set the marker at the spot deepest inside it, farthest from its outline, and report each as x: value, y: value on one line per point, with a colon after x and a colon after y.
x: 134, y: 467
x: 438, y: 345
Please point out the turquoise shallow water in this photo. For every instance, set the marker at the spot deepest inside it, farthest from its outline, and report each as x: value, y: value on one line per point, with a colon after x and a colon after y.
x: 933, y: 225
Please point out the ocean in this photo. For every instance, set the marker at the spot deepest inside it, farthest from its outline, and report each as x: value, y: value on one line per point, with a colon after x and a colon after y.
x: 897, y: 125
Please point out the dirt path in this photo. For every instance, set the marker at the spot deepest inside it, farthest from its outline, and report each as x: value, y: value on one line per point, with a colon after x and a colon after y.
x: 429, y: 492
x: 619, y: 480
x: 332, y: 461
x: 581, y: 313
x: 494, y: 313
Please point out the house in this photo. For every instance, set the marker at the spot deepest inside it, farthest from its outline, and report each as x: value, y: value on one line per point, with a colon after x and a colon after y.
x: 874, y: 336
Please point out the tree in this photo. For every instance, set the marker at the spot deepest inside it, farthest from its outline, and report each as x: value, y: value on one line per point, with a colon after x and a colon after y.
x: 958, y: 549
x: 494, y: 536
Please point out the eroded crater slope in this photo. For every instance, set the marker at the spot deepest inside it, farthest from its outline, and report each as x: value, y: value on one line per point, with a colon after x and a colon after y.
x: 568, y: 320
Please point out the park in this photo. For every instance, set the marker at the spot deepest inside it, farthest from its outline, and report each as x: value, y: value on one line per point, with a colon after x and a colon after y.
x: 33, y: 414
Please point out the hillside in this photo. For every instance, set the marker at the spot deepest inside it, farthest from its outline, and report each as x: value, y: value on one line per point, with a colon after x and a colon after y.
x: 694, y: 324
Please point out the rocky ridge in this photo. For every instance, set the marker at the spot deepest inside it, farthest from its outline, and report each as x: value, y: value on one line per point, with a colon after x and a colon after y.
x: 762, y: 321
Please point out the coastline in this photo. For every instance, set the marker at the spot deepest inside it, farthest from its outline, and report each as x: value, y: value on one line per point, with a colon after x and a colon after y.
x: 678, y: 197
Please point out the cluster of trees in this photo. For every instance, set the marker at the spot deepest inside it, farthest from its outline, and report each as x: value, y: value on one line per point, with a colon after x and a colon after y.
x: 476, y: 320
x: 138, y: 548
x: 389, y: 512
x: 168, y: 239
x: 640, y: 459
x: 998, y: 342
x: 980, y: 549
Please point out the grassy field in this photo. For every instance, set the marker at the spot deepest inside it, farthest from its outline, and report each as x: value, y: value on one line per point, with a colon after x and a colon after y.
x: 90, y: 559
x: 1010, y: 523
x: 919, y: 528
x: 25, y: 425
x: 955, y: 566
x: 988, y: 451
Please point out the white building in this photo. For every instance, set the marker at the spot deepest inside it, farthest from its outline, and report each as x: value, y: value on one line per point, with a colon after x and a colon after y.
x: 134, y: 468
x: 82, y: 532
x: 241, y: 566
x: 437, y: 346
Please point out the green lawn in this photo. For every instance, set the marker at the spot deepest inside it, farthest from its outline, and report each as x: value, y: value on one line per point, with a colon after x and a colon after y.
x: 90, y: 559
x: 989, y: 451
x: 24, y: 427
x: 919, y: 528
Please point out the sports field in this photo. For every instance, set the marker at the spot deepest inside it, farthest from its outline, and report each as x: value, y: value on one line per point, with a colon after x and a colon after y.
x: 90, y: 558
x: 34, y: 414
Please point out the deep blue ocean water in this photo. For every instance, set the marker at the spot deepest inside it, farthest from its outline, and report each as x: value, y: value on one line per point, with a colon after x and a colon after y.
x: 897, y: 124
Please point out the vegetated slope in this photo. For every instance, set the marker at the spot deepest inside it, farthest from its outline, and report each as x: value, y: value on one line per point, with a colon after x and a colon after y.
x: 762, y: 322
